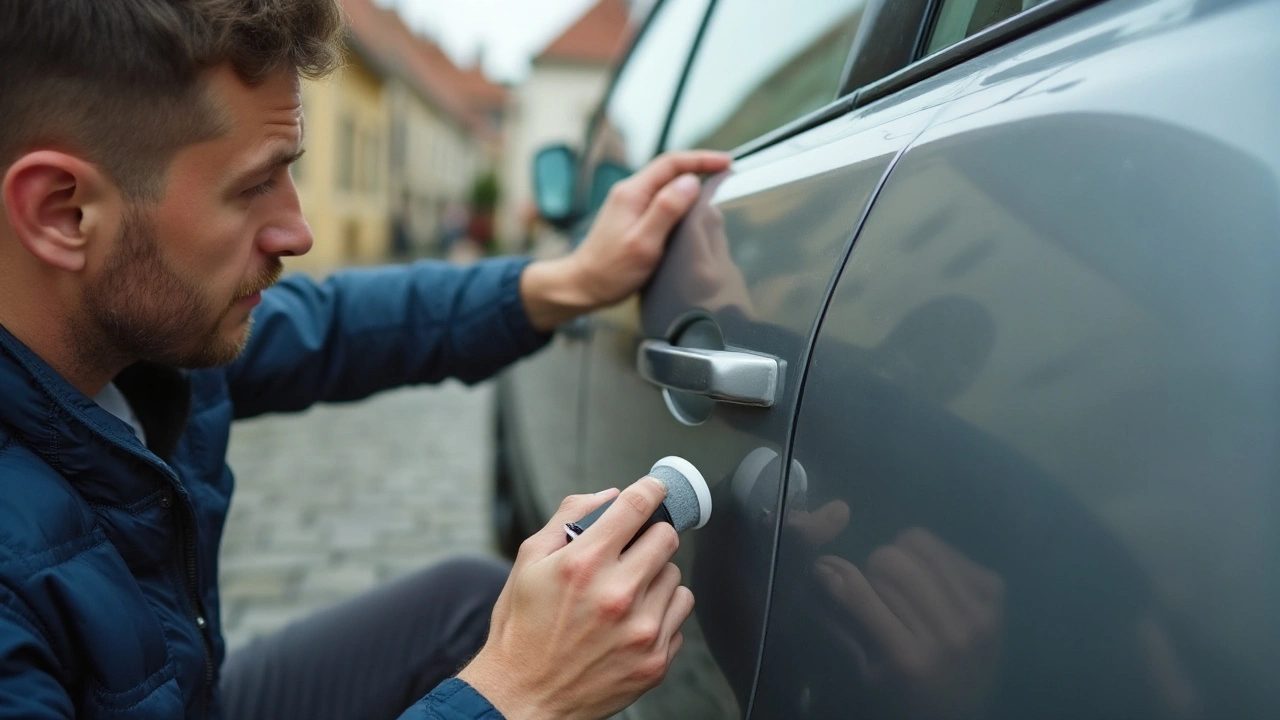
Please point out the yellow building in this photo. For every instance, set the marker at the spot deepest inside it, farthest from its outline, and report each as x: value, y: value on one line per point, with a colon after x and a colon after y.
x: 343, y: 178
x: 393, y: 140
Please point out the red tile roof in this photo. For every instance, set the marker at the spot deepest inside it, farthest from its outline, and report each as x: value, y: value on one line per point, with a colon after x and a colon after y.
x: 463, y: 94
x: 599, y: 36
x: 476, y: 89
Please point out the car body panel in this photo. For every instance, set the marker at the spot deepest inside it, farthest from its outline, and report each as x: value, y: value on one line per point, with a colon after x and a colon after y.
x: 1055, y: 350
x: 757, y: 258
x: 540, y: 404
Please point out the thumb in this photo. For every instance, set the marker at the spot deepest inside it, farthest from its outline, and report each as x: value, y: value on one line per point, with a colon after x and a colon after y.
x: 668, y: 206
x: 551, y: 537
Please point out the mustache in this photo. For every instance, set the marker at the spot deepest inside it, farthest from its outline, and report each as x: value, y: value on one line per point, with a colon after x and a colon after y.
x: 263, y: 280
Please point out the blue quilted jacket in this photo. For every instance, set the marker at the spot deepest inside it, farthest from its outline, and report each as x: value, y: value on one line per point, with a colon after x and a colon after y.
x: 109, y: 549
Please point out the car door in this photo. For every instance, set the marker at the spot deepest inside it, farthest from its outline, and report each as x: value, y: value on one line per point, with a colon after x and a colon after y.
x: 542, y: 394
x: 1038, y: 426
x: 746, y: 276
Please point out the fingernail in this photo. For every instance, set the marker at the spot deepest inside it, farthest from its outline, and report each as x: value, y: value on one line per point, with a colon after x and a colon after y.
x: 688, y: 185
x: 657, y: 482
x: 605, y: 492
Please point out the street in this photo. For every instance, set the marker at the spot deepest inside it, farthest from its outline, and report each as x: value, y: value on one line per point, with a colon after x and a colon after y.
x: 332, y: 501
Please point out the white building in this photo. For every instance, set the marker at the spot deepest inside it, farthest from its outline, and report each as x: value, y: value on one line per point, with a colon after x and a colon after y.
x: 556, y: 100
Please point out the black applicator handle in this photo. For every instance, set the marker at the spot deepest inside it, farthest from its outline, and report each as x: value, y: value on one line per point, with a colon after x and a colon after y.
x: 574, y: 529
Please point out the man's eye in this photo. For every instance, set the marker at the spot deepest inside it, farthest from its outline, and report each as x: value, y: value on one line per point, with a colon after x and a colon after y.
x: 263, y: 189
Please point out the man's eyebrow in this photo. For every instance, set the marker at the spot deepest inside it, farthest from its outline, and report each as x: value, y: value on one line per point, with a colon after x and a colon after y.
x: 281, y: 157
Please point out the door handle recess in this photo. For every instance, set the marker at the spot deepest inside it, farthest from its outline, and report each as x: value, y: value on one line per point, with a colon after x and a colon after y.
x: 724, y: 375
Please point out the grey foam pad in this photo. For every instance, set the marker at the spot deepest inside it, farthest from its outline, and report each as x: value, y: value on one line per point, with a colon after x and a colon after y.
x: 682, y: 500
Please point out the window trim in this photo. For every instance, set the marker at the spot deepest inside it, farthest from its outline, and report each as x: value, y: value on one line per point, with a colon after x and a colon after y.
x: 979, y: 43
x: 692, y: 55
x: 922, y: 67
x: 583, y: 190
x: 826, y: 113
x: 889, y: 39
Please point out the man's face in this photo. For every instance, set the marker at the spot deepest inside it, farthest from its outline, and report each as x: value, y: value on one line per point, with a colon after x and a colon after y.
x: 183, y: 275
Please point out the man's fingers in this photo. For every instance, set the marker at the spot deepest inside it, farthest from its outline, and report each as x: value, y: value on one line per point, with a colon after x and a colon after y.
x: 575, y: 507
x: 915, y: 593
x: 668, y: 207
x: 651, y: 552
x: 619, y: 523
x: 678, y: 611
x: 904, y: 610
x: 667, y: 167
x: 850, y: 588
x: 966, y: 581
x: 822, y: 525
x: 657, y: 596
x: 673, y: 648
x: 552, y: 537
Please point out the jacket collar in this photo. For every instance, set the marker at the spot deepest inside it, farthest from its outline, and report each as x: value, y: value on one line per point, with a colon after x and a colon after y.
x: 94, y: 450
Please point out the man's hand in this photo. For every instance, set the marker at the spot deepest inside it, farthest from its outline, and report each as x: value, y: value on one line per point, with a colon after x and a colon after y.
x: 582, y: 629
x: 926, y: 623
x: 625, y: 243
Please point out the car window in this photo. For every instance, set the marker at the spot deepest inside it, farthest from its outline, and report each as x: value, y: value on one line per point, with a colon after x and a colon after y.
x: 627, y: 134
x: 958, y: 19
x: 762, y: 64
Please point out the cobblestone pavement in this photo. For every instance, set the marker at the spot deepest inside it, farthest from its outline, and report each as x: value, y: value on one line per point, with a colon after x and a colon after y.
x: 332, y: 501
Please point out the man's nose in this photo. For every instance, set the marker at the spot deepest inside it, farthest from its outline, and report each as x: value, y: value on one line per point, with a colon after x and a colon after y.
x: 290, y: 235
x: 289, y: 232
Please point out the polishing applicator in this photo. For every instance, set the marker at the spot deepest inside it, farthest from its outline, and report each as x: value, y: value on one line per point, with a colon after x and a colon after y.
x: 687, y: 505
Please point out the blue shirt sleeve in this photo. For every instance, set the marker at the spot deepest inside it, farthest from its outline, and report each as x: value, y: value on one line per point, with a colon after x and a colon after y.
x: 452, y: 699
x: 365, y: 330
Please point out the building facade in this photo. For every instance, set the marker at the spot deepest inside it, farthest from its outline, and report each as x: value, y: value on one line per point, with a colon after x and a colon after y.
x: 395, y: 141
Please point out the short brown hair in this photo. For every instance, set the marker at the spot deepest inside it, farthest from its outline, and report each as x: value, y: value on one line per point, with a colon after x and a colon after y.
x: 120, y: 81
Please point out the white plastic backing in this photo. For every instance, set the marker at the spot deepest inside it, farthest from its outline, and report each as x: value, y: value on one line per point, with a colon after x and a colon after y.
x: 699, y: 483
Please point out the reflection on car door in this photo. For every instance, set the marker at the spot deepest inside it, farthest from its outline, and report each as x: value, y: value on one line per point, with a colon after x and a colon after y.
x: 1038, y: 428
x: 748, y: 271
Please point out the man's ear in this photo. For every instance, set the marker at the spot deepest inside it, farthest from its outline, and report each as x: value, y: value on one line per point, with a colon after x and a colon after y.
x: 56, y: 203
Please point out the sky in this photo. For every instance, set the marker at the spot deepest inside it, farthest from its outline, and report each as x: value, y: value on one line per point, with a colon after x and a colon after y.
x: 509, y: 31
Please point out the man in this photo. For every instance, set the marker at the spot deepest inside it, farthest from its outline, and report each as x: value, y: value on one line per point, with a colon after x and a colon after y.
x: 144, y: 146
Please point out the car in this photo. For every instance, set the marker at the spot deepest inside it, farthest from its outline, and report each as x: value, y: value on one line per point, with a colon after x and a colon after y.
x: 977, y: 344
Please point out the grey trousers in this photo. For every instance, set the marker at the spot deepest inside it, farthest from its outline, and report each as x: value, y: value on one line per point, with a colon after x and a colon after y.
x: 371, y: 657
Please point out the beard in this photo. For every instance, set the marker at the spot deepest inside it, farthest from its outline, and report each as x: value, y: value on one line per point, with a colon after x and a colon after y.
x: 139, y: 308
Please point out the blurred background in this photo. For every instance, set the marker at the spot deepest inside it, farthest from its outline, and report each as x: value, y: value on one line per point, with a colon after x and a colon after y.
x: 421, y: 147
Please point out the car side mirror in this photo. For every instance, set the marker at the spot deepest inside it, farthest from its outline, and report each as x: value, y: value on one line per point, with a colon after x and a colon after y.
x: 606, y: 175
x: 555, y: 176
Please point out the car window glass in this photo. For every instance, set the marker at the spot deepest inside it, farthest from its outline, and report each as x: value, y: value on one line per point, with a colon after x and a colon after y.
x: 958, y: 19
x: 627, y: 134
x: 762, y: 64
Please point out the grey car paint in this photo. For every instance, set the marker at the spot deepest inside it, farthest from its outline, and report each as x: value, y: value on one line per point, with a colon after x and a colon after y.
x: 540, y: 403
x: 755, y: 261
x: 1052, y: 354
x: 1055, y: 350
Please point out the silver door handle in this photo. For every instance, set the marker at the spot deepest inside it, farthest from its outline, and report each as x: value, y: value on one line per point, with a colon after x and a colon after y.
x: 733, y: 377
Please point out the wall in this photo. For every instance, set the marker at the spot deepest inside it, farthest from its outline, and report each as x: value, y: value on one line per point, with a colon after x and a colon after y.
x: 433, y: 162
x: 343, y: 178
x: 553, y: 105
